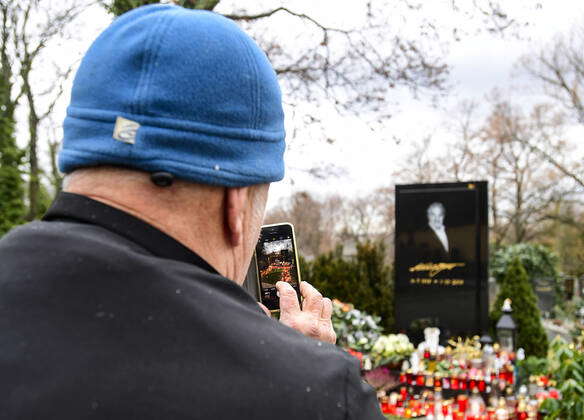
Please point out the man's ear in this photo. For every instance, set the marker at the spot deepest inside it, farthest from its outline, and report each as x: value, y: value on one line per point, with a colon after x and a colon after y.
x: 235, y: 205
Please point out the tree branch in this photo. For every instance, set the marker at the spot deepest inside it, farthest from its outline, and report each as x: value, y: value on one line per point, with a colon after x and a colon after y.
x: 286, y: 10
x: 551, y: 159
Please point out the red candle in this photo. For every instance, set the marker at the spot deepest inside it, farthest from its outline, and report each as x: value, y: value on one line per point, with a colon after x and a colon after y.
x: 482, y: 386
x: 431, y: 408
x: 420, y: 380
x: 462, y: 402
x: 384, y: 405
x: 454, y: 383
x: 510, y: 376
x: 402, y: 378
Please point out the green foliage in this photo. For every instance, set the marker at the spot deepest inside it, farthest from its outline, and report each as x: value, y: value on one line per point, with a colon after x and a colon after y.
x: 45, y: 200
x: 355, y: 329
x: 538, y: 261
x: 567, y: 369
x: 365, y: 280
x: 531, y: 366
x: 515, y: 285
x: 12, y: 208
x: 118, y: 7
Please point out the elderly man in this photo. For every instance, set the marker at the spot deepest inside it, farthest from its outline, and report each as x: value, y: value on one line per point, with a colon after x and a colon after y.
x: 125, y: 301
x: 436, y: 213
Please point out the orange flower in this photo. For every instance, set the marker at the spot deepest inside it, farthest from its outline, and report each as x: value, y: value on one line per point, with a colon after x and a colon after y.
x: 345, y: 307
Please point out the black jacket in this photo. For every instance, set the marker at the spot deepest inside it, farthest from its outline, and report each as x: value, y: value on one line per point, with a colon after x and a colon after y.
x: 103, y: 316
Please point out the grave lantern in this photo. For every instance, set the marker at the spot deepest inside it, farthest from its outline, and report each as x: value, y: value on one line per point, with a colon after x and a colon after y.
x: 486, y: 340
x: 506, y: 328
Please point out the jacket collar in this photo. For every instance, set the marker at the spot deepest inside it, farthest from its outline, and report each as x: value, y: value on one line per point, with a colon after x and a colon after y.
x: 82, y: 209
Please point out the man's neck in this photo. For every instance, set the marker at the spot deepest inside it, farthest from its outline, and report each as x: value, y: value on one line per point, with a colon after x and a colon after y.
x: 437, y: 228
x: 190, y: 217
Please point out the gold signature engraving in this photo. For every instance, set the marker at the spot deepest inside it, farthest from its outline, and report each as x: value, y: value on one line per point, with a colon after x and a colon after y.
x: 434, y: 269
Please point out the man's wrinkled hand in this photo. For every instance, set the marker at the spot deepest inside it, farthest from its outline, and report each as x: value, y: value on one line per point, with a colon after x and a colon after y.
x: 314, y: 318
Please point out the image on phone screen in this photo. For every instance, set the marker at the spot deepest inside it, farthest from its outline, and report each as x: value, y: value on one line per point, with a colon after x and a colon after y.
x: 276, y: 260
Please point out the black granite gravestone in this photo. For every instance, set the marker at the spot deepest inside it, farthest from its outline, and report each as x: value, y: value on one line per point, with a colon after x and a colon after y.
x: 546, y: 294
x: 441, y: 258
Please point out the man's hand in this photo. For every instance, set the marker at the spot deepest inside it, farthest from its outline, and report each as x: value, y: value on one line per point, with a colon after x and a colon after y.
x: 314, y: 318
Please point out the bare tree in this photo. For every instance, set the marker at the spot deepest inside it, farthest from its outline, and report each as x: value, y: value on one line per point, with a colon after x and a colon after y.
x: 314, y: 221
x: 357, y: 65
x: 322, y: 224
x: 421, y: 164
x: 559, y: 68
x: 523, y: 186
x: 12, y: 207
x: 356, y: 68
x: 463, y: 152
x: 33, y: 26
x: 369, y: 217
x: 506, y: 150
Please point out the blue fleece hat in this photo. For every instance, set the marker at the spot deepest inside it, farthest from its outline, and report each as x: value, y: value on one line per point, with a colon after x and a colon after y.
x: 183, y: 91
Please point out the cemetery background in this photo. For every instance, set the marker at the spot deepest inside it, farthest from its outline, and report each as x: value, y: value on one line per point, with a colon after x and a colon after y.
x: 523, y: 137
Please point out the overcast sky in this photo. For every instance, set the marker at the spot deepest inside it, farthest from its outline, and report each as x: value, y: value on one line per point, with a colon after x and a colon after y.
x: 478, y: 63
x: 277, y: 246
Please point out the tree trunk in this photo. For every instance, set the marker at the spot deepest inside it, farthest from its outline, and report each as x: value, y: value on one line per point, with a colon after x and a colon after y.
x: 34, y: 173
x: 57, y: 178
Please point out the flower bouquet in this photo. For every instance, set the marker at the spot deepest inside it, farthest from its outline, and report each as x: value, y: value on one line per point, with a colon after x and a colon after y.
x: 356, y: 330
x: 391, y: 350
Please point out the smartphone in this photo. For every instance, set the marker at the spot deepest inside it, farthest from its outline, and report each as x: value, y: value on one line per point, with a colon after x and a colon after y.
x: 276, y: 260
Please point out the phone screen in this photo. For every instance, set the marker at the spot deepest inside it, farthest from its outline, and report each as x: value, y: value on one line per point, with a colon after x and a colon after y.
x: 276, y: 261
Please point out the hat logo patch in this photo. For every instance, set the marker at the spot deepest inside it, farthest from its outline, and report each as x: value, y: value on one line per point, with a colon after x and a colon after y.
x: 125, y: 130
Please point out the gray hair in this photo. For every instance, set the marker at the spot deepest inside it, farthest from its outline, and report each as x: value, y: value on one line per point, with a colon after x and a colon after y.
x: 437, y: 204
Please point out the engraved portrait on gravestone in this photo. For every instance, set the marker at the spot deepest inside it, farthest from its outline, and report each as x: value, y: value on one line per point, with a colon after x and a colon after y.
x: 441, y: 256
x: 436, y: 213
x: 433, y: 240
